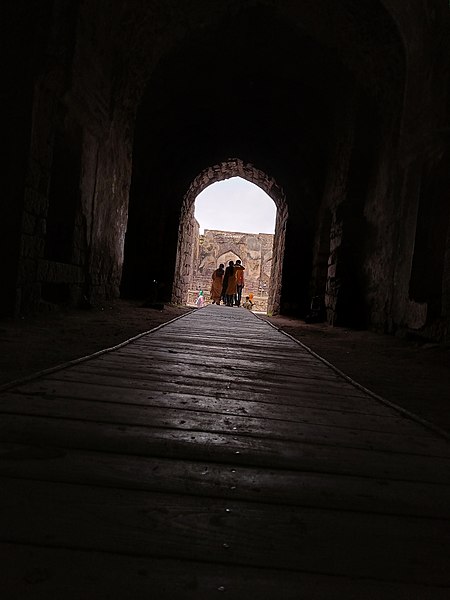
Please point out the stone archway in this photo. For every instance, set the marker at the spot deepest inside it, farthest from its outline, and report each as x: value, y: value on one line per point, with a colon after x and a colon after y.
x: 232, y: 167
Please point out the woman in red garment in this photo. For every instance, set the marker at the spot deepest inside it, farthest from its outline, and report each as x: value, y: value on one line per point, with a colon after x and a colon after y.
x: 216, y: 285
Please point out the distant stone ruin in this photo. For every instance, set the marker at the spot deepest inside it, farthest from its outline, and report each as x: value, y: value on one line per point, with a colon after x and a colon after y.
x: 253, y: 249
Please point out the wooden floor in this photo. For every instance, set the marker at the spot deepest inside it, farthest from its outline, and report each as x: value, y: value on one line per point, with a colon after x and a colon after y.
x: 216, y: 457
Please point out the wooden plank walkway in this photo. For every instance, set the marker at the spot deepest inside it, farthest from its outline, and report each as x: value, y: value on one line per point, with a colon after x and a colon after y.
x: 216, y: 457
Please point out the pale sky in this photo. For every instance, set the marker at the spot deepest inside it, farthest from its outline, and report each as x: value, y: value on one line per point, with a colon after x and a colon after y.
x: 235, y: 205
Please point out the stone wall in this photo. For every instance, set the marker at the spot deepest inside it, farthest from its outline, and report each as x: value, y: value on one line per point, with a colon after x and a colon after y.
x: 74, y: 195
x: 343, y: 119
x: 255, y: 250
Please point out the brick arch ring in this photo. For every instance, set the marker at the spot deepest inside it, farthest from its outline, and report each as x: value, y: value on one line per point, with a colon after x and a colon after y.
x: 233, y: 167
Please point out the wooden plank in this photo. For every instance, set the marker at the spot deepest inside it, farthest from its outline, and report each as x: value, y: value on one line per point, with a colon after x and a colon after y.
x: 405, y: 441
x: 328, y: 395
x: 31, y: 398
x: 342, y: 543
x: 40, y: 573
x: 202, y: 376
x: 135, y: 453
x: 150, y: 365
x: 263, y: 348
x: 226, y: 356
x: 308, y: 392
x: 236, y: 450
x: 103, y: 387
x: 203, y: 478
x: 294, y: 367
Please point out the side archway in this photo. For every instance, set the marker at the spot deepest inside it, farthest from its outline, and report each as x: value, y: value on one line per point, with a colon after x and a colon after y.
x: 232, y: 167
x: 227, y: 256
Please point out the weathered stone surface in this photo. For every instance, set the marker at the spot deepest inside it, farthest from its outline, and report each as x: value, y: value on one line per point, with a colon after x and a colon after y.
x: 117, y: 115
x: 50, y: 271
x: 254, y: 251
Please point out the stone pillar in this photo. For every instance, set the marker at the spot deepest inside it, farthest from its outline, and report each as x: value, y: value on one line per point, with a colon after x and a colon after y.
x: 275, y: 290
x: 333, y: 201
x: 188, y: 231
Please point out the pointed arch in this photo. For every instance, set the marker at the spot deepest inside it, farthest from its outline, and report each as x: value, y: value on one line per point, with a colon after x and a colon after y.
x: 233, y: 167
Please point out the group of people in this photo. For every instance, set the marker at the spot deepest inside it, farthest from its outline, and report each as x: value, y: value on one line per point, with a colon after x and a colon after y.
x: 227, y: 285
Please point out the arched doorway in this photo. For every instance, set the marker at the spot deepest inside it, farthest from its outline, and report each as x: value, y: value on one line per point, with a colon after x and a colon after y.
x: 187, y: 230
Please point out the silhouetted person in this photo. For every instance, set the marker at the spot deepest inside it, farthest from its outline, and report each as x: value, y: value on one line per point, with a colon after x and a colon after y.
x: 229, y: 284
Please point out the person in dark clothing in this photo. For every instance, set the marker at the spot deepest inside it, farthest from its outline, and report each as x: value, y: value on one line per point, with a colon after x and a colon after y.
x: 229, y: 284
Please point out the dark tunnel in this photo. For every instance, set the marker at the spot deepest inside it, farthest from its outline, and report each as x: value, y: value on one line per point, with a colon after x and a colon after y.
x: 116, y: 117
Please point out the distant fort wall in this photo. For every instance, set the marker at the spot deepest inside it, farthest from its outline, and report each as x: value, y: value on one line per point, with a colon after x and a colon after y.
x: 255, y: 250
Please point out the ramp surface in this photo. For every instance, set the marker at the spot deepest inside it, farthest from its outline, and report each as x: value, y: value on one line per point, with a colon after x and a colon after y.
x: 216, y: 456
